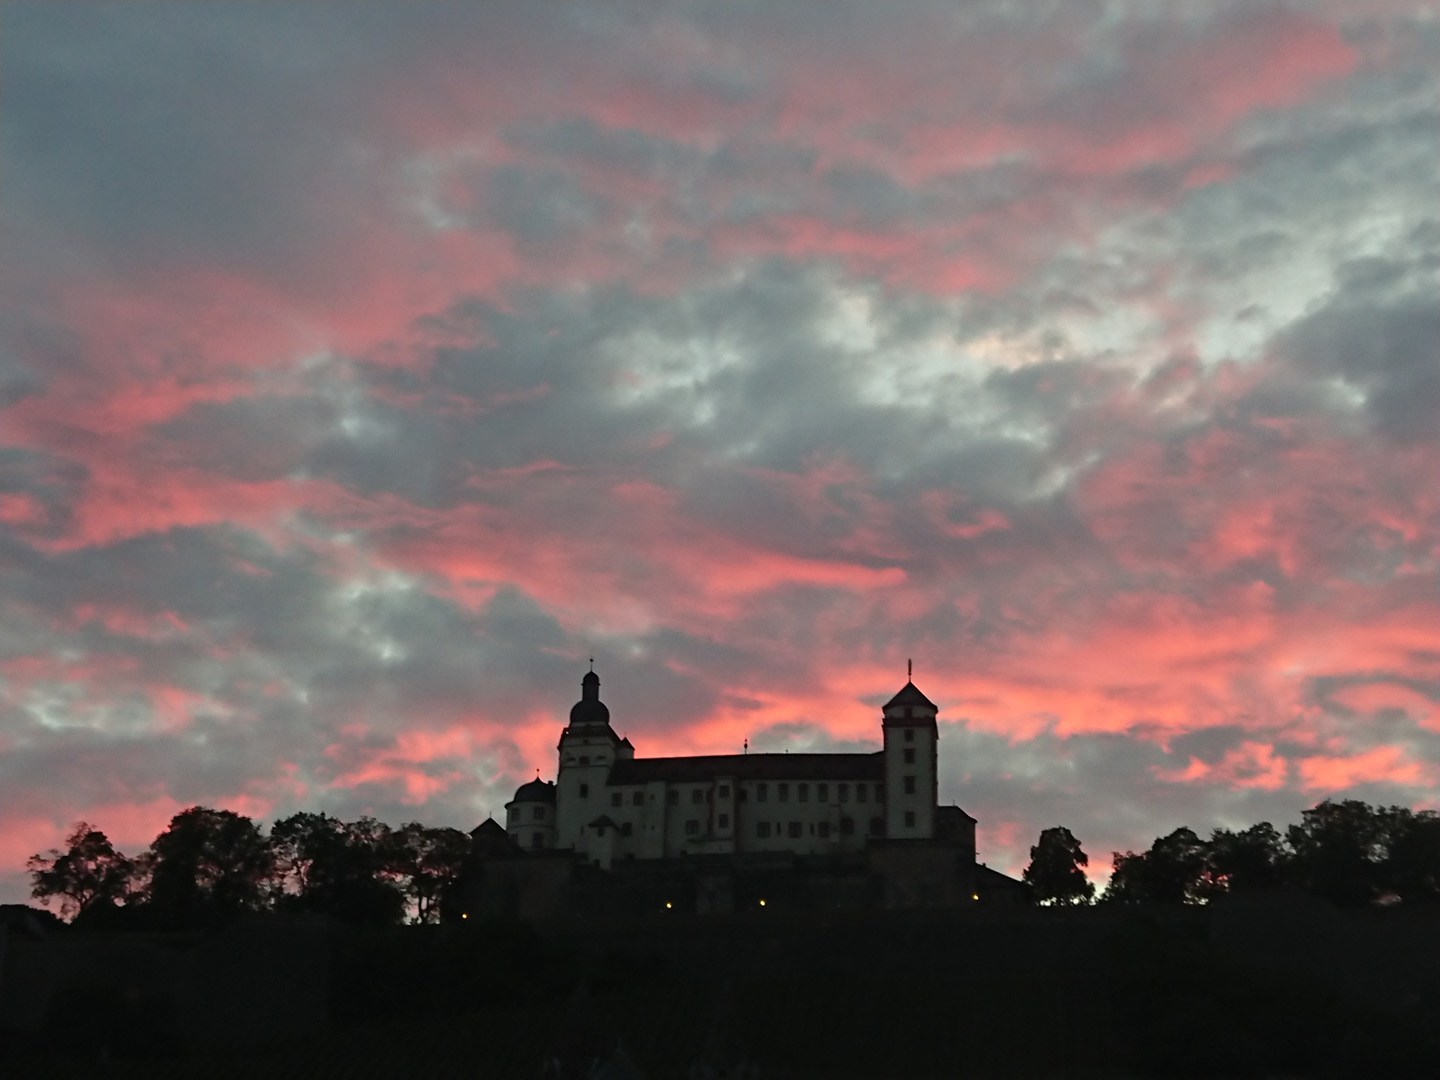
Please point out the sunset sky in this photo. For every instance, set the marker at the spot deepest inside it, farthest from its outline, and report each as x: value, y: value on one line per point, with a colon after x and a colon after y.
x: 366, y: 369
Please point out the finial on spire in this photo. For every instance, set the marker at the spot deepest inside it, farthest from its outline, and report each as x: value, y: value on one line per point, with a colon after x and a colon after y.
x: 746, y: 747
x: 592, y: 663
x: 909, y: 670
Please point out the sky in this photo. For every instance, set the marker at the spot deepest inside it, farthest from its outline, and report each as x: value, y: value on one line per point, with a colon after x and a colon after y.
x: 366, y: 369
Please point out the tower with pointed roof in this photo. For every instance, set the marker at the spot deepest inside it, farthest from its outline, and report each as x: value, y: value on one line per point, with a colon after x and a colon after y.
x: 912, y: 785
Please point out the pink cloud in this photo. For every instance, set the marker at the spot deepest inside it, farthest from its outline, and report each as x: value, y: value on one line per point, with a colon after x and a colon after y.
x: 1249, y: 765
x: 1383, y: 764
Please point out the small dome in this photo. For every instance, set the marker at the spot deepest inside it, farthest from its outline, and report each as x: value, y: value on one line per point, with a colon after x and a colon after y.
x: 536, y: 790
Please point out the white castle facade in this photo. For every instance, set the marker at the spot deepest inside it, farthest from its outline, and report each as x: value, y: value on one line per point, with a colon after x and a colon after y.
x: 609, y: 807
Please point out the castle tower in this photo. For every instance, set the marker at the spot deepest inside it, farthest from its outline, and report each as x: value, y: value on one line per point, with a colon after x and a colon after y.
x: 588, y: 747
x: 912, y: 786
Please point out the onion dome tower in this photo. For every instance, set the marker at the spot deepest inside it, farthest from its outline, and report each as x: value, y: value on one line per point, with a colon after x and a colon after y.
x: 588, y: 747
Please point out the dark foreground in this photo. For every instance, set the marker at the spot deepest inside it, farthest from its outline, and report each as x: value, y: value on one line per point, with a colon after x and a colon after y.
x: 1274, y: 989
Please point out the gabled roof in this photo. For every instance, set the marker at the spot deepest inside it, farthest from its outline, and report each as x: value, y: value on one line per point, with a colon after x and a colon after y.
x: 909, y: 695
x: 490, y: 838
x: 696, y: 770
x: 603, y: 822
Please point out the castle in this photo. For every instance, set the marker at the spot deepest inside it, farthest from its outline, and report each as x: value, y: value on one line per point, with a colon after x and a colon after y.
x: 863, y: 830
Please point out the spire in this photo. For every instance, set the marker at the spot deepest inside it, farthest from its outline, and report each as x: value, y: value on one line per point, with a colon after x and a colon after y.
x: 909, y: 670
x: 590, y: 685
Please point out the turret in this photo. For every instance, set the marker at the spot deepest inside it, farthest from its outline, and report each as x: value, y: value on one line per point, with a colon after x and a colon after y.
x: 530, y: 816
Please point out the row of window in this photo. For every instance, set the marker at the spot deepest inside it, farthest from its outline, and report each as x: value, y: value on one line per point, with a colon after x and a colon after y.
x: 822, y: 792
x: 537, y: 813
x: 793, y: 829
x: 762, y: 794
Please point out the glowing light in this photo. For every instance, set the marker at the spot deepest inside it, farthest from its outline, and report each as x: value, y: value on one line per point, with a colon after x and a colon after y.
x: 464, y: 914
x: 762, y: 903
x: 668, y: 905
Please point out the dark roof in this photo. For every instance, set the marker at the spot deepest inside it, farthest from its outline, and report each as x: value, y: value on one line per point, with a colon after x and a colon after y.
x: 536, y: 790
x: 490, y: 838
x: 603, y: 822
x: 909, y: 695
x: 589, y: 709
x: 986, y: 878
x: 694, y: 770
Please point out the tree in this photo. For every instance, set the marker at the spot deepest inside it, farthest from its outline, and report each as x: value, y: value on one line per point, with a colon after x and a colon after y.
x: 1250, y: 859
x: 337, y: 868
x: 1338, y: 851
x: 1171, y: 872
x: 88, y: 873
x: 1055, y: 872
x: 1412, y: 862
x: 429, y: 860
x: 207, y: 864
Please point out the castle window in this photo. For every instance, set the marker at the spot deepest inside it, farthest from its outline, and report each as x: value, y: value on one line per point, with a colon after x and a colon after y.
x: 672, y: 797
x: 909, y: 736
x: 536, y: 839
x: 637, y: 799
x: 697, y: 796
x: 860, y: 790
x: 617, y: 798
x: 761, y: 790
x: 740, y: 794
x: 724, y: 791
x: 843, y: 791
x: 877, y: 826
x: 724, y: 821
x: 803, y: 792
x: 822, y: 792
x: 783, y: 792
x: 584, y: 791
x: 584, y: 759
x: 879, y: 792
x: 824, y: 830
x: 909, y: 785
x: 909, y: 819
x: 909, y: 755
x: 626, y: 828
x: 692, y: 827
x: 762, y: 829
x: 847, y: 826
x: 796, y: 830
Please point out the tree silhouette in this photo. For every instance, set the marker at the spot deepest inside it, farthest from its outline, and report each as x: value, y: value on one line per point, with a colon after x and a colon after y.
x: 1055, y: 872
x: 208, y: 864
x: 1338, y: 851
x: 337, y: 868
x: 1412, y: 860
x: 429, y: 860
x: 88, y: 873
x: 1173, y: 871
x: 1250, y: 859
